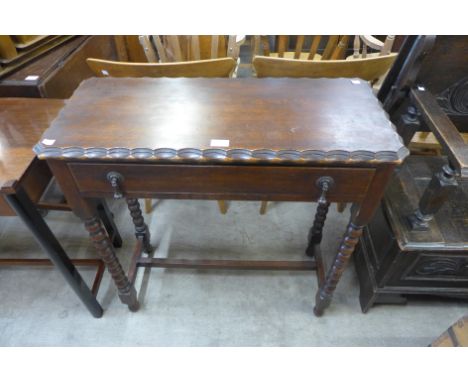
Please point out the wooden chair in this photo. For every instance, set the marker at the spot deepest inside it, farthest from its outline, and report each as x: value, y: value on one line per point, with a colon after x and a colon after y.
x: 331, y: 63
x: 172, y: 56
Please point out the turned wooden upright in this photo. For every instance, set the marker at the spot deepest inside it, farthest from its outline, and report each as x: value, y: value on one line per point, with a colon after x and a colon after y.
x: 325, y: 140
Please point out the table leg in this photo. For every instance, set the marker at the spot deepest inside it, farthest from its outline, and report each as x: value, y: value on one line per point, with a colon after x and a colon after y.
x: 27, y: 211
x: 103, y: 245
x: 315, y: 233
x: 347, y: 246
x: 87, y: 210
x: 107, y: 218
x: 361, y: 214
x: 141, y: 229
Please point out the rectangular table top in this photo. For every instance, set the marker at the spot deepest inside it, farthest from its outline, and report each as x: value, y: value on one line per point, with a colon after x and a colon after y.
x: 229, y: 120
x: 22, y: 122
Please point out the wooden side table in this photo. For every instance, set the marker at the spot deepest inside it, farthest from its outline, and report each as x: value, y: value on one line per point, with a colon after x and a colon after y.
x: 24, y: 180
x: 325, y: 140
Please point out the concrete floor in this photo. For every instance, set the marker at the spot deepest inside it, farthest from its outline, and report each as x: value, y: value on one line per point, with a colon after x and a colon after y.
x: 205, y: 308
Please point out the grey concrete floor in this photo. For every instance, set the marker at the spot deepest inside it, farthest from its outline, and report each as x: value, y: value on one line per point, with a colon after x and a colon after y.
x: 205, y: 308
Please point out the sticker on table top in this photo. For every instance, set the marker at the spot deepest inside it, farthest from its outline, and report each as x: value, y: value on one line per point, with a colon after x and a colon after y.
x: 219, y: 142
x: 48, y: 142
x: 356, y: 82
x: 31, y: 78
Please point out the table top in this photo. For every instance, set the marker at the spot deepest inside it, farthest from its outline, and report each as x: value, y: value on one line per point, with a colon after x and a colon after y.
x: 229, y: 120
x: 22, y: 121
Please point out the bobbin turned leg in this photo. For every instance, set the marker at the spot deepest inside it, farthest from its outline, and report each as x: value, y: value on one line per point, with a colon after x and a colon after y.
x: 107, y: 218
x: 315, y: 233
x: 141, y: 229
x: 347, y: 246
x: 102, y: 244
x: 361, y: 214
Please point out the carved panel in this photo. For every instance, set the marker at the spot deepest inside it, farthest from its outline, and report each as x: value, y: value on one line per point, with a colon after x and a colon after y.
x: 439, y: 267
x: 454, y: 100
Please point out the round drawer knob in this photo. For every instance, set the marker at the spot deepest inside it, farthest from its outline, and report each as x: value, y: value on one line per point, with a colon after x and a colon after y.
x: 116, y: 179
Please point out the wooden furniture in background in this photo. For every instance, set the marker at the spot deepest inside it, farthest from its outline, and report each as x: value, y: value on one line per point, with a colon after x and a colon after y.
x: 362, y: 43
x: 272, y: 155
x: 58, y: 71
x: 176, y: 56
x: 455, y: 336
x: 25, y: 185
x: 417, y: 242
x: 331, y: 63
x: 261, y: 46
x: 194, y: 48
x: 222, y: 67
x: 368, y: 69
x: 16, y: 51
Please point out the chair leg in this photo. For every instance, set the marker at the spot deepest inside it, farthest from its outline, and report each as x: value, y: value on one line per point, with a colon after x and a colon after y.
x: 148, y: 206
x: 263, y: 207
x: 222, y: 206
x: 341, y: 207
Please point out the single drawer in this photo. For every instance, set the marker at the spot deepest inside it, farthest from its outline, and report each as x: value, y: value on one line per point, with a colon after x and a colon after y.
x: 231, y: 182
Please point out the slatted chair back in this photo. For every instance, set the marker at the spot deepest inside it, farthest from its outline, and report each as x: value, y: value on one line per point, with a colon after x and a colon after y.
x: 222, y: 67
x: 192, y: 48
x: 368, y: 41
x: 335, y: 47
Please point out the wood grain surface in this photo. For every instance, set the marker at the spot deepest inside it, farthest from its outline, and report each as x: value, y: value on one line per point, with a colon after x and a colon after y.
x: 22, y: 121
x: 163, y: 119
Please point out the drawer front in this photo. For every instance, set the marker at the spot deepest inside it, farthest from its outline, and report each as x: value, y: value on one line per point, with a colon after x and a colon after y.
x: 215, y: 182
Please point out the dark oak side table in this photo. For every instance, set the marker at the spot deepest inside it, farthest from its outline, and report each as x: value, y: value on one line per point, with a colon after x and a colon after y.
x: 24, y: 180
x: 325, y: 140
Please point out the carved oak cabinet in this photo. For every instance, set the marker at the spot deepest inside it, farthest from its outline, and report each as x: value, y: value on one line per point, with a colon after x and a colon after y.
x: 417, y: 242
x: 393, y: 260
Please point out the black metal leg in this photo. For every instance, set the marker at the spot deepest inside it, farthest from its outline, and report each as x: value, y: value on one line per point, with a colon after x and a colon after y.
x: 27, y: 211
x: 107, y: 218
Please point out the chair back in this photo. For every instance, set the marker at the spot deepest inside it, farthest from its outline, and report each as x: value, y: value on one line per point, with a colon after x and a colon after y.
x: 335, y: 47
x: 172, y: 56
x: 222, y: 67
x: 331, y: 63
x: 194, y: 48
x: 369, y: 69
